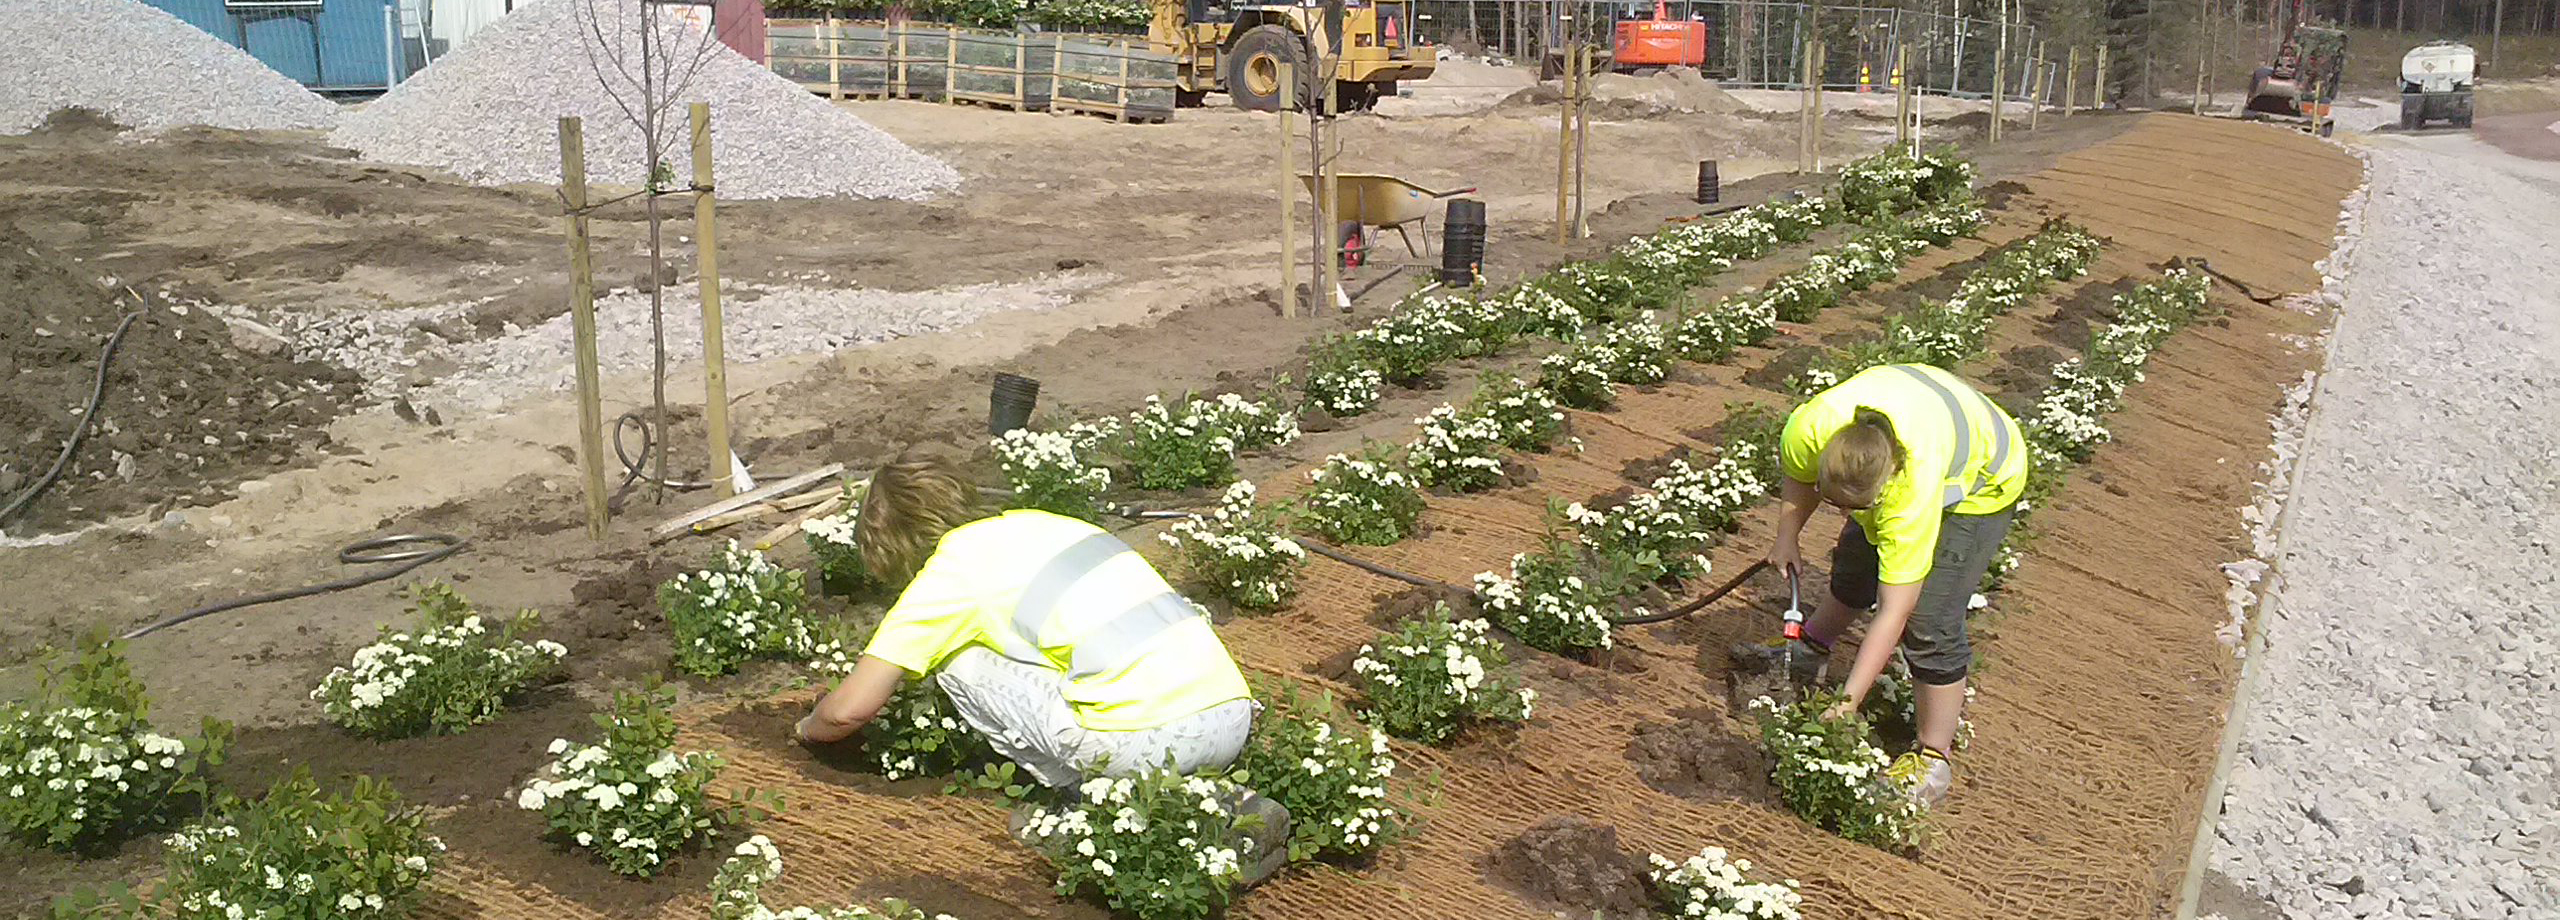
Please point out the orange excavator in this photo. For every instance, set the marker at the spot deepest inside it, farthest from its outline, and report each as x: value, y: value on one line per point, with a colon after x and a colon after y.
x: 1644, y: 45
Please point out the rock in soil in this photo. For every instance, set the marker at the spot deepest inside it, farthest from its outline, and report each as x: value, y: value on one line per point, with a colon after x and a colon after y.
x: 1575, y: 863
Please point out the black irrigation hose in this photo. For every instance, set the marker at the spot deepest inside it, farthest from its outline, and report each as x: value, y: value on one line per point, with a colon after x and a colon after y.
x: 363, y: 552
x: 79, y: 432
x: 637, y: 470
x: 1695, y: 605
x: 2207, y: 267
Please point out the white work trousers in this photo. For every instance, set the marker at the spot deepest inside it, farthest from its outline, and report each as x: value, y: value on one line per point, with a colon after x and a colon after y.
x: 1023, y: 710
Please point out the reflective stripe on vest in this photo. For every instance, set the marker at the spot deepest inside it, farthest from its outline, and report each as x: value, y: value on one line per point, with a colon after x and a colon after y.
x: 1109, y: 646
x: 1955, y: 488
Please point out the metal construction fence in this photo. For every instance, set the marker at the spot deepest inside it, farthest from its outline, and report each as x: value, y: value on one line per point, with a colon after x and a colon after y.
x: 1755, y: 44
x: 1025, y: 71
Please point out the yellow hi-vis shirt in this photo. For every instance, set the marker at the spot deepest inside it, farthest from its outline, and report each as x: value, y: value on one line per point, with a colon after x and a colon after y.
x: 1060, y: 593
x: 1961, y: 454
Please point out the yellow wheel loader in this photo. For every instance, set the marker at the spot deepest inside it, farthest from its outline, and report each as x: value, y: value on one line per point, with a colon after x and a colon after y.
x: 1238, y: 49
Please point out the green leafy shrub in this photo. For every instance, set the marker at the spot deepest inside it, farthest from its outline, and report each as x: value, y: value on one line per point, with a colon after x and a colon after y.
x: 1167, y: 449
x: 451, y: 673
x: 1714, y: 333
x: 1459, y: 453
x: 741, y: 607
x: 1340, y: 379
x: 737, y: 892
x: 1546, y: 602
x: 1333, y: 781
x: 1155, y: 846
x: 830, y: 538
x: 1579, y: 375
x: 81, y: 767
x: 1409, y: 344
x: 1428, y: 678
x: 1363, y: 501
x: 1240, y: 552
x: 1057, y: 471
x: 292, y: 855
x: 1829, y: 774
x: 1638, y: 351
x: 920, y: 733
x: 630, y: 797
x: 1530, y: 419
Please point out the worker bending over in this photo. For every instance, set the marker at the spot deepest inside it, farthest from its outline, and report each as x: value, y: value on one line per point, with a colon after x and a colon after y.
x: 1055, y: 641
x: 1929, y: 471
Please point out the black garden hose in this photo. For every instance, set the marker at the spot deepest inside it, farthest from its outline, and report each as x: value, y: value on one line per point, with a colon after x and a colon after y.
x: 375, y: 551
x: 1695, y: 605
x: 634, y: 471
x: 79, y: 432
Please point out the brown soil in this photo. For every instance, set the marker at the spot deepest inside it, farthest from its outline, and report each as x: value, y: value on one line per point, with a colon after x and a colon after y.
x: 187, y: 415
x: 2094, y: 733
x: 1574, y: 864
x: 1693, y: 757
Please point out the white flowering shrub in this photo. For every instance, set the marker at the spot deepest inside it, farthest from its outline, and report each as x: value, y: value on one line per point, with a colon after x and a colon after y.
x: 1179, y: 449
x: 448, y: 673
x: 919, y: 732
x: 1255, y: 424
x: 1713, y: 886
x: 1154, y: 846
x: 1529, y: 418
x: 1639, y: 351
x: 1604, y: 292
x: 1240, y: 552
x: 1714, y: 333
x: 2068, y: 418
x: 737, y: 892
x: 1363, y: 501
x: 1541, y: 312
x: 1429, y: 678
x: 1579, y: 376
x: 1461, y: 453
x: 1486, y: 325
x: 1892, y: 182
x: 1334, y: 782
x: 1945, y: 334
x: 1545, y: 601
x: 81, y: 767
x: 1829, y: 774
x: 1410, y: 343
x: 1059, y: 472
x: 830, y: 539
x: 741, y: 607
x: 1340, y: 379
x: 630, y: 797
x: 294, y: 854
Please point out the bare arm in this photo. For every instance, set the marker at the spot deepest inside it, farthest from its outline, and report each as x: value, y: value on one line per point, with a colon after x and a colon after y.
x: 853, y: 703
x: 1801, y: 499
x: 1894, y: 604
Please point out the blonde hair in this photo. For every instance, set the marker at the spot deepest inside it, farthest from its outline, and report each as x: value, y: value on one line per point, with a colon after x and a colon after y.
x: 913, y: 500
x: 1862, y: 456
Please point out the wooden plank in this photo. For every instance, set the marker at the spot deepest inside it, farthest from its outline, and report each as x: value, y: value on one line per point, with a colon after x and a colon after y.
x: 677, y: 525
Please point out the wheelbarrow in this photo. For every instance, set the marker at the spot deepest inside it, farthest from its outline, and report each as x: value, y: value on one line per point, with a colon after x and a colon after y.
x: 1386, y: 202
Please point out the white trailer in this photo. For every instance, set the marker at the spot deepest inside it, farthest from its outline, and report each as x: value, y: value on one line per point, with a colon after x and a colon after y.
x: 2436, y: 79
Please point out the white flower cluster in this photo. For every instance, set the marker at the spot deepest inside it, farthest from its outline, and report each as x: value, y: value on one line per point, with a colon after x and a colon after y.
x: 1333, y: 783
x: 73, y: 774
x: 1254, y: 425
x: 632, y: 798
x: 737, y: 892
x: 1714, y: 333
x: 286, y: 854
x: 831, y: 540
x: 1363, y: 500
x: 1345, y: 391
x: 1155, y: 845
x: 1431, y: 676
x: 449, y: 675
x: 1540, y: 311
x: 1239, y: 553
x: 1579, y: 376
x: 1638, y: 351
x: 1893, y: 701
x: 1712, y: 886
x: 742, y: 607
x: 1529, y: 416
x: 1829, y: 774
x: 1456, y: 450
x: 1178, y: 450
x: 1056, y: 471
x: 1546, y: 602
x: 2067, y: 419
x: 1409, y: 343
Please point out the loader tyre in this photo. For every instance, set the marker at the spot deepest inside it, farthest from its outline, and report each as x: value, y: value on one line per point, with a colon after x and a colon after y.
x: 1253, y: 68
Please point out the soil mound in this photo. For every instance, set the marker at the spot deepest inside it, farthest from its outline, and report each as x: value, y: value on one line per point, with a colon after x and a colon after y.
x: 188, y: 414
x: 490, y: 112
x: 1614, y: 95
x: 140, y: 68
x: 1576, y: 863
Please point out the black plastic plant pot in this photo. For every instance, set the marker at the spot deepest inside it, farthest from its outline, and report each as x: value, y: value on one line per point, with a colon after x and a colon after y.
x: 1462, y: 242
x: 1010, y: 402
x: 1710, y: 190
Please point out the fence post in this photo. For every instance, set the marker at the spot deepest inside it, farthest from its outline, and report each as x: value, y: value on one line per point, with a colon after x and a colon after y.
x: 1289, y: 304
x: 1901, y: 95
x: 582, y: 323
x: 2071, y: 83
x: 715, y: 366
x: 1564, y: 149
x: 835, y: 58
x: 1581, y: 134
x: 2000, y: 75
x: 2098, y: 80
x: 950, y: 66
x: 1805, y: 125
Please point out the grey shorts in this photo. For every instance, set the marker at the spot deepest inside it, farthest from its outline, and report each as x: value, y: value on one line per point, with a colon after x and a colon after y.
x: 1023, y: 711
x: 1934, y: 641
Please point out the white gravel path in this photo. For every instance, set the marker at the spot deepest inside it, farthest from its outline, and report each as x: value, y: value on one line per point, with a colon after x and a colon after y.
x: 140, y: 67
x: 2398, y: 761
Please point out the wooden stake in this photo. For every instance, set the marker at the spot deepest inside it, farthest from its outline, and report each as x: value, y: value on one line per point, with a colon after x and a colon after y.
x: 1289, y: 304
x: 2035, y: 94
x: 1901, y: 96
x: 1581, y: 137
x: 1330, y: 179
x: 2071, y: 85
x: 582, y: 324
x: 835, y: 58
x: 1804, y: 111
x: 1821, y: 58
x: 715, y: 364
x: 2098, y: 80
x: 950, y: 66
x: 1564, y: 152
x: 2000, y: 76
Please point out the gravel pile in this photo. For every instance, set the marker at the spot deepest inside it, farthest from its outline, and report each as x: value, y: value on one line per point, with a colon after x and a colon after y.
x: 140, y: 67
x: 2398, y: 761
x: 490, y: 111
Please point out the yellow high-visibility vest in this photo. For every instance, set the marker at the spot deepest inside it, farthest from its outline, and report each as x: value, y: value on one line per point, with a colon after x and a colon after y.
x: 1962, y: 454
x: 1056, y: 592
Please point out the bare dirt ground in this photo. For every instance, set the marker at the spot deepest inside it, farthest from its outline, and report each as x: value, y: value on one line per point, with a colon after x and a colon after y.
x: 1176, y: 214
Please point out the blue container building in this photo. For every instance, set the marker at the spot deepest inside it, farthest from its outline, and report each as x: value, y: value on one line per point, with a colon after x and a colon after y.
x: 328, y: 45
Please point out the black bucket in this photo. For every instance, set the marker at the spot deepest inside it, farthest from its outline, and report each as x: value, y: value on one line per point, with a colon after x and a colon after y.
x: 1709, y: 189
x: 1462, y: 242
x: 1009, y: 403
